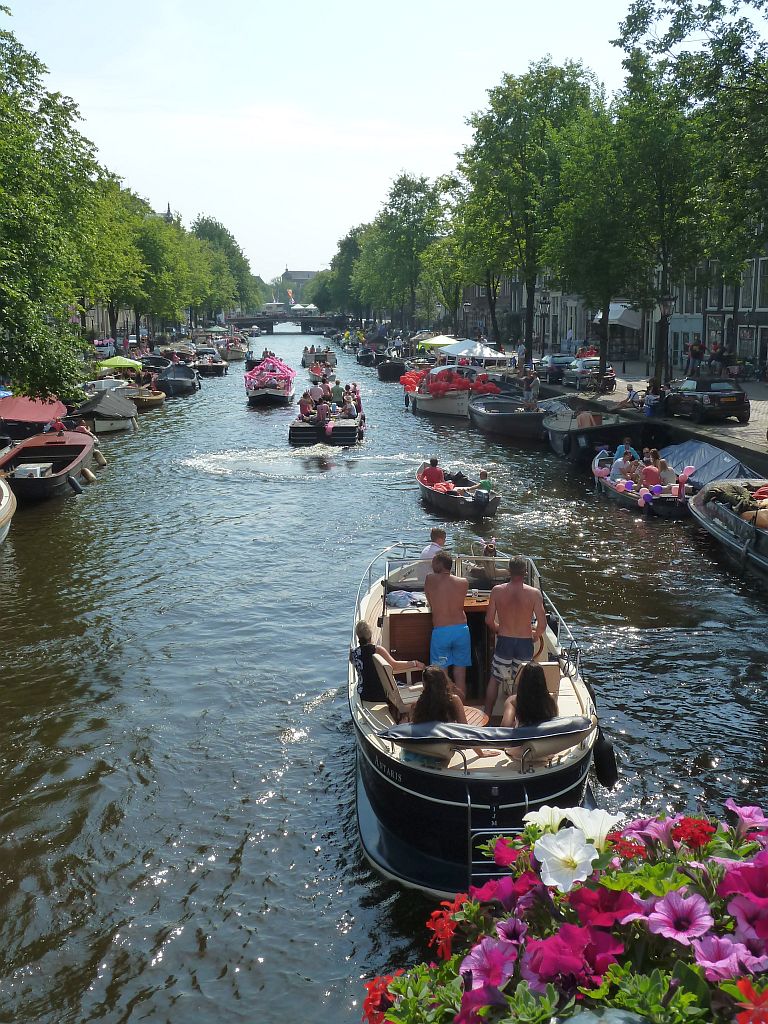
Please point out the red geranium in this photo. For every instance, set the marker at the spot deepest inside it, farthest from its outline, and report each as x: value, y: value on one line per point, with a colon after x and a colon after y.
x: 694, y: 832
x: 625, y: 847
x: 443, y: 927
x: 378, y: 1000
x: 755, y: 1004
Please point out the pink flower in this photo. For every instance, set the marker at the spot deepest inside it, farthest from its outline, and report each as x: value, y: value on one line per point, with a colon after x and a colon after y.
x: 504, y: 853
x: 747, y: 817
x: 748, y: 878
x: 722, y: 958
x: 491, y: 961
x: 475, y: 999
x: 507, y: 890
x: 513, y: 929
x: 601, y: 907
x: 574, y: 956
x: 681, y: 918
x: 751, y: 923
x: 653, y: 830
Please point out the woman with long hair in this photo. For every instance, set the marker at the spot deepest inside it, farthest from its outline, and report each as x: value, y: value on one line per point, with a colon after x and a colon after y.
x: 438, y: 702
x: 533, y: 703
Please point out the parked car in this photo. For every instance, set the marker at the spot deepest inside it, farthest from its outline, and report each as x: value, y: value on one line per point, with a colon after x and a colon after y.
x: 104, y: 348
x: 553, y: 366
x: 579, y: 372
x: 706, y: 398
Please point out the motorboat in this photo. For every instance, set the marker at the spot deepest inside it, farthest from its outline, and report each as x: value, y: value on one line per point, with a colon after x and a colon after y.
x: 22, y: 417
x: 317, y: 373
x: 108, y: 412
x: 670, y: 501
x: 48, y: 465
x: 271, y: 381
x: 337, y: 431
x: 209, y: 363
x: 448, y: 497
x: 729, y: 511
x: 325, y: 356
x: 429, y: 795
x: 507, y: 416
x: 7, y: 509
x: 92, y: 387
x: 178, y: 379
x: 578, y: 436
x: 155, y: 363
x: 392, y: 368
x: 145, y: 398
x: 235, y: 351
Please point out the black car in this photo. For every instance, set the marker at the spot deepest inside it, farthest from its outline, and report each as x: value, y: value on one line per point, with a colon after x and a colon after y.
x: 552, y: 366
x: 706, y: 398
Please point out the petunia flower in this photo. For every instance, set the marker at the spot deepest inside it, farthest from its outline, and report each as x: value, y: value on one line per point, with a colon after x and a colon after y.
x: 594, y: 824
x: 572, y: 957
x: 565, y: 858
x: 547, y: 818
x: 504, y: 853
x: 748, y: 817
x: 681, y: 918
x: 721, y: 958
x: 603, y: 908
x: 513, y: 929
x: 653, y: 830
x: 748, y: 878
x: 475, y: 999
x: 491, y: 961
x: 751, y: 924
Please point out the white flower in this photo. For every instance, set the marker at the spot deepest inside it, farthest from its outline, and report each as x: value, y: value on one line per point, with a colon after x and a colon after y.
x: 594, y: 824
x: 546, y: 817
x: 565, y: 858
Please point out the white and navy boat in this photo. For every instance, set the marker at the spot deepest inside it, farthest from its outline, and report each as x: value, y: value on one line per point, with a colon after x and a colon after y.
x: 429, y: 794
x: 7, y: 509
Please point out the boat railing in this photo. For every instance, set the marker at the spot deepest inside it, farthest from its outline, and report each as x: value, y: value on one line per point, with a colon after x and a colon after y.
x: 379, y: 566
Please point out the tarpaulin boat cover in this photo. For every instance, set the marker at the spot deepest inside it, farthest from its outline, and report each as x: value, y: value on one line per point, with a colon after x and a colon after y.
x: 711, y: 463
x: 106, y: 405
x: 30, y: 410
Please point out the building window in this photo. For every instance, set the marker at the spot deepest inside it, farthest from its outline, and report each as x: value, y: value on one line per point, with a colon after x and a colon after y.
x: 762, y: 294
x: 729, y: 294
x: 713, y: 291
x: 747, y: 286
x: 689, y: 300
x: 481, y: 291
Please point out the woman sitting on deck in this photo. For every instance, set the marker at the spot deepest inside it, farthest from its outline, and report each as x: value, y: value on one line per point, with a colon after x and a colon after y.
x: 533, y: 703
x: 438, y: 702
x: 368, y: 683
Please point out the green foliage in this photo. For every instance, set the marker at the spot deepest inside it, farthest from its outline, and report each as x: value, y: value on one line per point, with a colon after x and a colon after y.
x: 529, y: 1007
x: 658, y: 996
x: 321, y: 290
x: 249, y: 293
x: 46, y: 179
x: 426, y: 996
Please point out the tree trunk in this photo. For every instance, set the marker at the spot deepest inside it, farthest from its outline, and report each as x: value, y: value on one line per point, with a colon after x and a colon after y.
x: 112, y: 312
x: 605, y: 335
x: 492, y: 289
x: 662, y: 335
x: 530, y: 305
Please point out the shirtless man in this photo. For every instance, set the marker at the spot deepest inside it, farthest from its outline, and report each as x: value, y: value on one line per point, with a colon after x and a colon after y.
x: 511, y: 609
x: 450, y: 644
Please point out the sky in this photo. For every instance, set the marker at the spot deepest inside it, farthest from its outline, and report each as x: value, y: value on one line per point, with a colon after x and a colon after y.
x: 288, y: 123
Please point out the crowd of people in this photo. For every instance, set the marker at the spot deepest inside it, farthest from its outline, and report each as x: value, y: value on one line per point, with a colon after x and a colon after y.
x: 325, y: 401
x: 515, y: 616
x: 644, y: 470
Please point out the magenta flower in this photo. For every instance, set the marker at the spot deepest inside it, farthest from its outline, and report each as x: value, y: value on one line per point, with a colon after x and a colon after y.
x: 508, y: 891
x: 681, y: 918
x: 751, y: 923
x: 653, y: 830
x: 722, y: 958
x: 573, y: 957
x: 491, y: 961
x: 748, y: 818
x: 748, y: 879
x: 504, y: 853
x: 475, y: 999
x: 601, y: 907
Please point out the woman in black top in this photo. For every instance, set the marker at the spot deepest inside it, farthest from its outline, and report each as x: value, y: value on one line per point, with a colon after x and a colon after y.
x: 368, y: 683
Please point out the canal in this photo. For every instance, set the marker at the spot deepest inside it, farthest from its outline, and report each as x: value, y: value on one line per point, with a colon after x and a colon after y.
x: 178, y: 829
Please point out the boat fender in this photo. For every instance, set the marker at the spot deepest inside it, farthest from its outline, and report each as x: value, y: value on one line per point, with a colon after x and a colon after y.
x: 135, y: 422
x: 567, y: 444
x: 604, y: 759
x: 407, y: 399
x: 99, y: 457
x: 88, y: 475
x: 75, y: 485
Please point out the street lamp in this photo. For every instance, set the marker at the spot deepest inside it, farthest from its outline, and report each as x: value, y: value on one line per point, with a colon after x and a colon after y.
x: 438, y: 312
x: 544, y: 307
x: 667, y: 306
x: 466, y: 308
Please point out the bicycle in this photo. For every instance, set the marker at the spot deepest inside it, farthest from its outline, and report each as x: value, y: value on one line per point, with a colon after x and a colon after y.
x: 599, y: 385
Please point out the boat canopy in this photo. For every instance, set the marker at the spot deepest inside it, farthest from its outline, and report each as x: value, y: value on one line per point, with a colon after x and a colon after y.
x: 469, y: 349
x: 711, y: 463
x: 108, y: 405
x: 30, y: 410
x: 621, y: 315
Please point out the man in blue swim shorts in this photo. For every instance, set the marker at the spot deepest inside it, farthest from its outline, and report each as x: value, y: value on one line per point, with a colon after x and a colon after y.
x: 450, y: 646
x: 512, y: 609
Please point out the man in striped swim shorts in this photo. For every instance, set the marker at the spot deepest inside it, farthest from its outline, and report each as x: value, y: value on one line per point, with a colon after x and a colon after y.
x: 512, y: 609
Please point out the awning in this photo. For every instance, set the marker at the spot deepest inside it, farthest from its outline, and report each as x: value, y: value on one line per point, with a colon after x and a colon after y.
x: 30, y: 410
x: 621, y: 315
x: 470, y: 349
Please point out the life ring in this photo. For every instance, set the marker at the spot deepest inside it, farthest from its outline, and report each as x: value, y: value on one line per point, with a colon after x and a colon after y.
x: 538, y: 649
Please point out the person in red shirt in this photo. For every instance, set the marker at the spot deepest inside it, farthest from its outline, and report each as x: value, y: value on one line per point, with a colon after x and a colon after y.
x: 650, y: 475
x: 433, y: 474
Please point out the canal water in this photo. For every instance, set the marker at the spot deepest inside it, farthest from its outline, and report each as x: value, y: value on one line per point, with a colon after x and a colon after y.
x: 177, y: 765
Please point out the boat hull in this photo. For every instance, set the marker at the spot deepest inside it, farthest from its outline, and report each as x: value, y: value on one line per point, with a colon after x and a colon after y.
x: 70, y: 454
x: 150, y: 400
x: 458, y: 506
x: 663, y: 507
x: 454, y: 404
x: 344, y: 433
x: 742, y: 543
x: 212, y: 369
x: 104, y: 426
x: 581, y: 444
x: 269, y: 396
x: 414, y: 822
x: 7, y: 509
x: 391, y: 371
x: 524, y: 426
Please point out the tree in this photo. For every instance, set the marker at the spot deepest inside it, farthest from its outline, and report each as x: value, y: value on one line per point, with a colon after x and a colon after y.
x: 595, y: 246
x: 442, y: 268
x: 512, y: 163
x: 249, y: 294
x: 373, y: 277
x: 660, y: 147
x: 47, y: 170
x: 321, y: 290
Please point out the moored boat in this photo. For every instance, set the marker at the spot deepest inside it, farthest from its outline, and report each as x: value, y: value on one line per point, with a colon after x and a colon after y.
x: 720, y: 507
x: 235, y: 351
x: 209, y: 363
x: 22, y: 417
x: 578, y: 436
x: 7, y: 509
x: 391, y: 370
x: 428, y: 795
x: 665, y: 501
x: 48, y: 465
x: 448, y: 498
x: 145, y: 398
x: 178, y: 379
x: 271, y: 381
x: 108, y: 412
x: 507, y: 416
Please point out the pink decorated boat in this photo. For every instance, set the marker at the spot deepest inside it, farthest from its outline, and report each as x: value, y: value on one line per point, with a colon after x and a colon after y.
x: 271, y: 381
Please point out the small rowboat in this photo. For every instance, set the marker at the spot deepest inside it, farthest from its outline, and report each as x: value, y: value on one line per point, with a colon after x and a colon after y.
x: 47, y: 465
x: 464, y: 506
x: 145, y: 399
x: 665, y: 504
x: 579, y: 436
x: 507, y: 416
x: 316, y: 375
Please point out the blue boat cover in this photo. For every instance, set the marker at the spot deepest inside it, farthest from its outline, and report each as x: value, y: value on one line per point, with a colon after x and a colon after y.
x: 472, y: 735
x: 711, y: 463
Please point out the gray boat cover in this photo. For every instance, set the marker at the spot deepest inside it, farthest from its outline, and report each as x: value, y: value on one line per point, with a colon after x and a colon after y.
x: 106, y: 405
x: 493, y: 736
x: 711, y: 463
